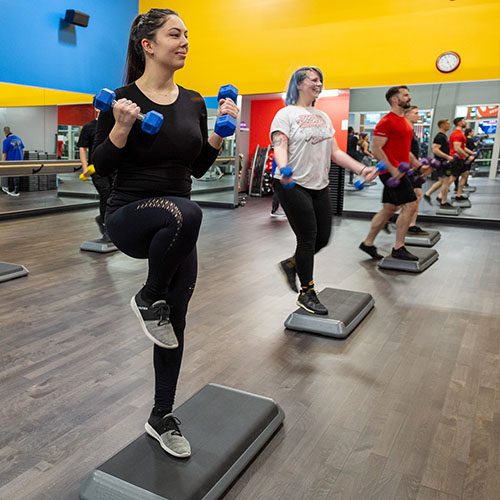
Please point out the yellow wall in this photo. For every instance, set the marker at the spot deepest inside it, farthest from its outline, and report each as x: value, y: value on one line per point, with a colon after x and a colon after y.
x: 256, y: 44
x: 21, y: 95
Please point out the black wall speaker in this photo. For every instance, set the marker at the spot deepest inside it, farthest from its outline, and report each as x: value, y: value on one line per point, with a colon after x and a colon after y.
x: 77, y: 17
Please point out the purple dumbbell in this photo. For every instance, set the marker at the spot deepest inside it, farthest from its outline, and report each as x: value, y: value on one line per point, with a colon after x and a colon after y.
x: 404, y: 168
x: 393, y: 182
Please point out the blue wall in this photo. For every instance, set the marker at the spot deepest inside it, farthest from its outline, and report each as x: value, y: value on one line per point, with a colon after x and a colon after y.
x: 37, y: 49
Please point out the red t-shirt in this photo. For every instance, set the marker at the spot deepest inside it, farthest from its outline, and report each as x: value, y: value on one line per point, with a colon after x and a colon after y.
x: 457, y: 136
x: 399, y: 133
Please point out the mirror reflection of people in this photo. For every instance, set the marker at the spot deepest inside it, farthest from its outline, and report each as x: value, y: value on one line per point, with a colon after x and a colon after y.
x: 366, y: 155
x: 411, y: 114
x: 352, y: 150
x: 12, y: 150
x: 470, y: 144
x: 102, y: 183
x: 461, y: 155
x: 441, y: 152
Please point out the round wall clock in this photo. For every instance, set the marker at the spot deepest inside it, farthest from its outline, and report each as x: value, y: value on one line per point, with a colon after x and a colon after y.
x: 448, y: 62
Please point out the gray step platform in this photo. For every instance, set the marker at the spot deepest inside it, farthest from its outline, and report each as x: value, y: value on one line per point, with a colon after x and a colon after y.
x: 462, y: 203
x: 226, y: 428
x: 426, y: 257
x: 346, y: 309
x: 425, y: 240
x: 99, y: 246
x: 11, y: 271
x: 448, y: 211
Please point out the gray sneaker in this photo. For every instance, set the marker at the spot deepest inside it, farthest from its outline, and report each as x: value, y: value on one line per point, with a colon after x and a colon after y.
x: 166, y: 431
x: 155, y: 321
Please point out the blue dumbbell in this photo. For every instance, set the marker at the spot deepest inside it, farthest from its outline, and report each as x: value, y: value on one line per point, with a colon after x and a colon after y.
x: 226, y: 125
x: 287, y: 172
x: 393, y: 182
x: 359, y: 181
x: 151, y: 121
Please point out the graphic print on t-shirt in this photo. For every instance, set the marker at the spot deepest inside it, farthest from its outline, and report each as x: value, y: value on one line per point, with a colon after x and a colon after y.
x: 314, y: 128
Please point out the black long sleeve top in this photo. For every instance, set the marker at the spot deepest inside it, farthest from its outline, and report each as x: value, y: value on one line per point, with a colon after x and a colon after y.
x: 161, y: 164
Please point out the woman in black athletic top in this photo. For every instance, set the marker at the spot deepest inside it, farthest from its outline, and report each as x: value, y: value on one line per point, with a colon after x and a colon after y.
x: 149, y: 214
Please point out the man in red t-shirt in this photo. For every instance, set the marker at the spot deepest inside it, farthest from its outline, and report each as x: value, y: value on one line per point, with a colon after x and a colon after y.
x: 461, y: 156
x: 391, y: 144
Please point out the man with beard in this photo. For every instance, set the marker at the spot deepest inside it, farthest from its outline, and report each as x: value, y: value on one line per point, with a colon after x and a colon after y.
x: 391, y: 144
x: 460, y: 154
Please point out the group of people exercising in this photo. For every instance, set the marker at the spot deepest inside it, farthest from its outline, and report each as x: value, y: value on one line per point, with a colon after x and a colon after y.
x: 456, y: 156
x: 149, y: 214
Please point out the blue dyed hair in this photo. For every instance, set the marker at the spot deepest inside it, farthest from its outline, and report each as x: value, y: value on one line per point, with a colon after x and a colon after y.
x: 292, y: 94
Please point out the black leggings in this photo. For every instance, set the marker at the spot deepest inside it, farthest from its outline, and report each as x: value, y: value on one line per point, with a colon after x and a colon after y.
x: 103, y: 187
x: 163, y: 230
x: 310, y: 215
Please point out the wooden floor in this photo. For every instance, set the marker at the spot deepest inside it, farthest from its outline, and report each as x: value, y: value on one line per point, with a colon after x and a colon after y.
x: 408, y: 407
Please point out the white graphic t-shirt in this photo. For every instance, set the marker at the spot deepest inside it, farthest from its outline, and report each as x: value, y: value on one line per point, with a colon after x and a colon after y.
x: 310, y: 133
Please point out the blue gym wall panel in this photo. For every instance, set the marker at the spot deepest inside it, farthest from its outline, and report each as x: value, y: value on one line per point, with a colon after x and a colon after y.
x: 37, y: 48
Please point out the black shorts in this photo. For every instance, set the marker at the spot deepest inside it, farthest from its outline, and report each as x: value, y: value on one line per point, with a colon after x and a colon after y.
x: 454, y: 168
x: 403, y: 193
x: 467, y: 166
x: 416, y: 181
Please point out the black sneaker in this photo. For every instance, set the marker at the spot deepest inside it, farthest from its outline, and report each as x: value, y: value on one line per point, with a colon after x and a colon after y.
x: 417, y: 230
x: 287, y: 267
x: 461, y: 198
x: 308, y: 300
x: 371, y: 251
x: 155, y: 321
x: 100, y: 225
x: 439, y: 200
x: 386, y: 228
x: 403, y: 254
x: 446, y: 205
x: 166, y: 431
x: 428, y: 199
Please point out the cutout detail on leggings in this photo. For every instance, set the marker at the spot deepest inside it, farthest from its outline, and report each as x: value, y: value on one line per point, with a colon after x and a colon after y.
x: 170, y: 207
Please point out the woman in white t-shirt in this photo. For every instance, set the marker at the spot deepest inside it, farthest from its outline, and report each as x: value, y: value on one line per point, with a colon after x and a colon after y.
x: 304, y: 145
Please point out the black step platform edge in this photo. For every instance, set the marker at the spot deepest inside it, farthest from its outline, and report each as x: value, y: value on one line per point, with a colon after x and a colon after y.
x: 346, y: 309
x: 11, y: 271
x: 226, y: 428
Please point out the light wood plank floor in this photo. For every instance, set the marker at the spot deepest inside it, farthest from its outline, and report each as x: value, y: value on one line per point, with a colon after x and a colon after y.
x: 408, y: 407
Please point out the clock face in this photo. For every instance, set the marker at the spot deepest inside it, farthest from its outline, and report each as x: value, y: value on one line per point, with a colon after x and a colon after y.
x: 448, y: 62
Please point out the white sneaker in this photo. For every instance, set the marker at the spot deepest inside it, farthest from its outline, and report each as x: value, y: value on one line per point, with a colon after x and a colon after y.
x: 155, y: 321
x: 166, y: 431
x: 279, y: 214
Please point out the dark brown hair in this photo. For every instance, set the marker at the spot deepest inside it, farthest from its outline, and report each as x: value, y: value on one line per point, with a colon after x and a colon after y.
x: 144, y: 26
x: 393, y: 91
